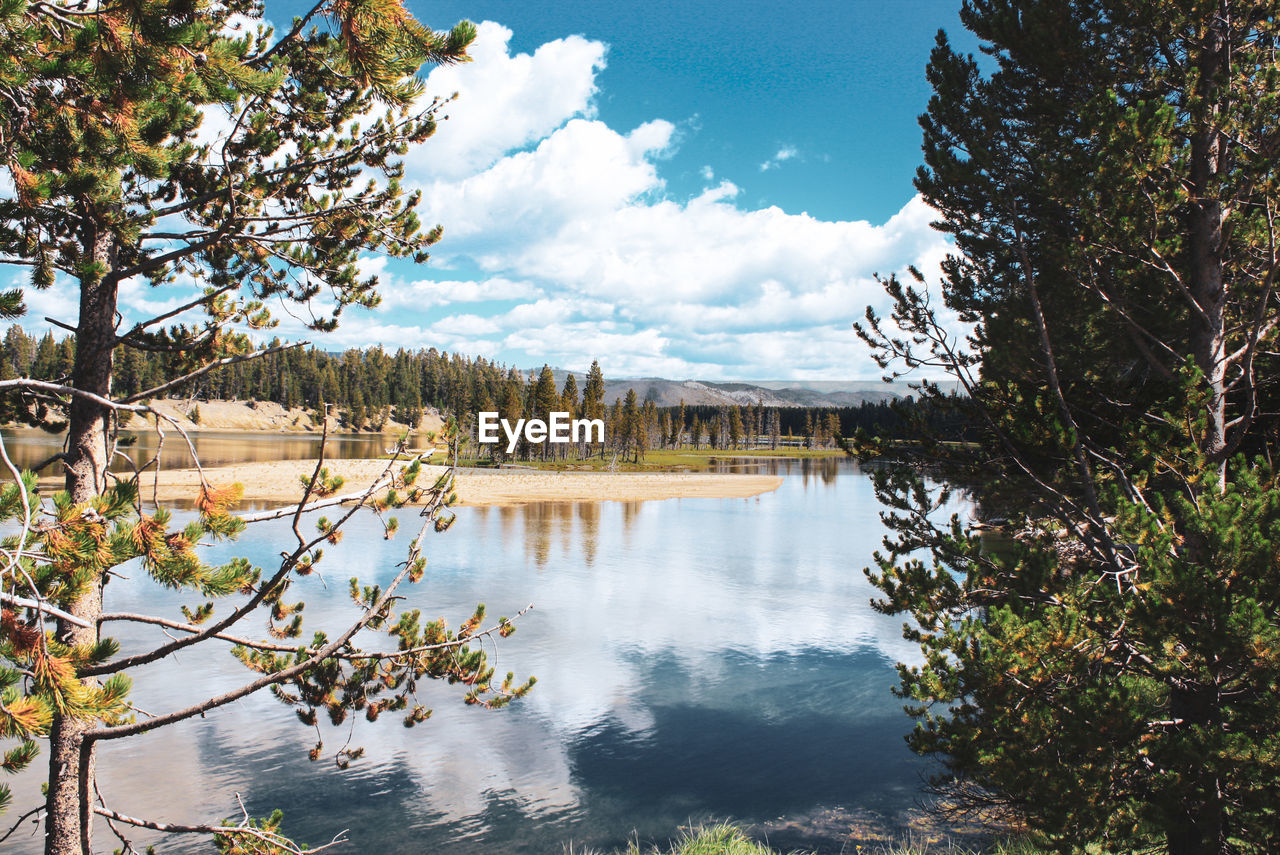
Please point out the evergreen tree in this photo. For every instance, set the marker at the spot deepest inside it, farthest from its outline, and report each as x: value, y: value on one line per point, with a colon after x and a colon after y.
x: 629, y: 426
x: 735, y: 427
x: 593, y: 406
x: 569, y: 404
x: 1110, y: 185
x: 113, y: 182
x: 569, y: 396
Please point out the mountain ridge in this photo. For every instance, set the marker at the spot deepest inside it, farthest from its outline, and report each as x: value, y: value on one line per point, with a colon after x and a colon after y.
x: 770, y: 393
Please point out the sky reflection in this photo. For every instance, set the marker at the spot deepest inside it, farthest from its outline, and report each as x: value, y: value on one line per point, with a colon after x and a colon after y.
x: 695, y: 658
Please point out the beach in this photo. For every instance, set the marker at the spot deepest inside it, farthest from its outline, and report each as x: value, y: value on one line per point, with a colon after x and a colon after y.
x: 278, y: 481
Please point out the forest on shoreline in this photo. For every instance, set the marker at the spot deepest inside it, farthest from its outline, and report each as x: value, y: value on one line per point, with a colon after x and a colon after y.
x: 371, y: 390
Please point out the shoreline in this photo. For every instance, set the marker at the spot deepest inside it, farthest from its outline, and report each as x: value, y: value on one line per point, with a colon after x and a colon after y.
x: 277, y: 482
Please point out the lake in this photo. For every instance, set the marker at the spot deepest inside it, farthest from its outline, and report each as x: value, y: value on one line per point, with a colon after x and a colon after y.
x: 29, y: 447
x: 696, y: 659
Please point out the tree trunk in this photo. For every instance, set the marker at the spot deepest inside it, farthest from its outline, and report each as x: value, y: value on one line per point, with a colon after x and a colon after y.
x: 1205, y: 230
x: 68, y: 825
x: 1201, y: 829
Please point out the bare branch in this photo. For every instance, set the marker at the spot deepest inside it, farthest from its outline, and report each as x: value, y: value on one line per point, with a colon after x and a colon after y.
x: 205, y: 369
x: 244, y: 829
x: 21, y: 820
x: 62, y: 389
x: 141, y: 325
x: 42, y: 606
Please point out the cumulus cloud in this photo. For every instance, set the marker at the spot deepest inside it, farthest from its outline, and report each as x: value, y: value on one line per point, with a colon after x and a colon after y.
x: 704, y: 287
x: 505, y: 101
x: 562, y: 244
x: 428, y: 293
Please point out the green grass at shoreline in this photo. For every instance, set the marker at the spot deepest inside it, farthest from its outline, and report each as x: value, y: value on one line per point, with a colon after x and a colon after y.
x: 728, y: 839
x: 662, y: 460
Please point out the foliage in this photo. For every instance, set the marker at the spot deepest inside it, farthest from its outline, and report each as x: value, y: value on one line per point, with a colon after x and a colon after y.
x: 722, y: 839
x: 1108, y: 667
x: 187, y: 144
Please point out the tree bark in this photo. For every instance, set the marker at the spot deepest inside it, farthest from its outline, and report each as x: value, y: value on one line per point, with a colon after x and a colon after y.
x: 1205, y: 231
x: 68, y: 824
x: 1201, y: 830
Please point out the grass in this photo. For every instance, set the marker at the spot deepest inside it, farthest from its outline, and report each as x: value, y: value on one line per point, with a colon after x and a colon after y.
x: 722, y: 839
x: 728, y: 839
x: 662, y: 460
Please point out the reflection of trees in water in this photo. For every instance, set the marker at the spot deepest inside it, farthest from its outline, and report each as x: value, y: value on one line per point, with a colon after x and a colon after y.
x: 630, y: 510
x: 538, y: 518
x: 29, y: 447
x: 562, y: 513
x: 544, y: 522
x: 589, y: 524
x: 818, y: 470
x: 508, y: 516
x: 574, y: 525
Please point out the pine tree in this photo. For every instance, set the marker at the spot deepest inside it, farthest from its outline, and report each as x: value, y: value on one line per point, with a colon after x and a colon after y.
x: 569, y: 404
x: 544, y: 400
x: 1110, y: 186
x: 629, y: 426
x: 112, y: 182
x: 593, y: 406
x: 735, y: 427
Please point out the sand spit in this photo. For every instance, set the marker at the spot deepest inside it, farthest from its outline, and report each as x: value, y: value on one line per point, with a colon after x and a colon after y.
x: 277, y: 481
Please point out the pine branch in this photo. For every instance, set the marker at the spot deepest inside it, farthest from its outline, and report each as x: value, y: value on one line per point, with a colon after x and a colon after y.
x: 298, y: 27
x: 141, y: 325
x: 326, y: 652
x: 296, y: 648
x: 268, y: 837
x: 286, y: 566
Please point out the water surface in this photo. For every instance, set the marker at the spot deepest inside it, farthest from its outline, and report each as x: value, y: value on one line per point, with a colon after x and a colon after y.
x: 696, y: 659
x: 29, y: 447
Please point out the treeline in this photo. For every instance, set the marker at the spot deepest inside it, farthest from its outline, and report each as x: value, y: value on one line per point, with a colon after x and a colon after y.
x: 368, y: 388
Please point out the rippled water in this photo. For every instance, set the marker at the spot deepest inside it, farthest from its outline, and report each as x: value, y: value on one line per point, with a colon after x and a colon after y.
x: 29, y: 447
x: 696, y: 658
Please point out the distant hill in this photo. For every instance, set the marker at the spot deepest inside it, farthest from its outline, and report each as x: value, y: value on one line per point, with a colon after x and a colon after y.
x: 772, y: 393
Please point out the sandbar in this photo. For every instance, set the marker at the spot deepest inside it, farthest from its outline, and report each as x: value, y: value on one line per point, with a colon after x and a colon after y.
x: 277, y: 481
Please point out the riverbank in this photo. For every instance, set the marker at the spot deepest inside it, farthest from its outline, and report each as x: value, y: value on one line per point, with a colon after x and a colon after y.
x: 278, y: 481
x: 215, y: 416
x: 727, y: 839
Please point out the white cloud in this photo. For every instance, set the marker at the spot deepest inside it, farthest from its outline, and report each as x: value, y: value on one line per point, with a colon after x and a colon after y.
x: 426, y: 293
x: 505, y: 101
x: 787, y: 152
x: 583, y: 170
x: 701, y: 288
x: 580, y: 229
x: 562, y: 245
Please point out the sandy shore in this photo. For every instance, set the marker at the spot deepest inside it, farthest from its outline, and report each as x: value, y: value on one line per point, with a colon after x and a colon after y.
x: 277, y: 481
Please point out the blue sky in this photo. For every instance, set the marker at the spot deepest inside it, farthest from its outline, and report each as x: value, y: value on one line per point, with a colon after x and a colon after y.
x: 684, y: 189
x: 840, y: 84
